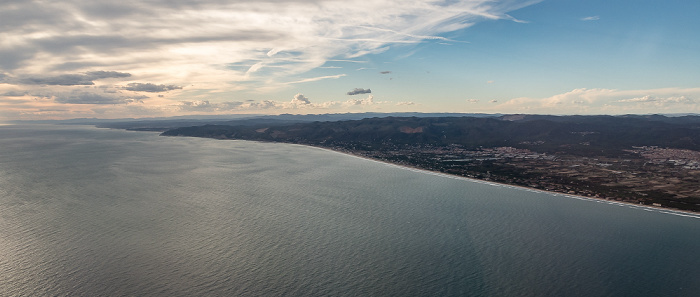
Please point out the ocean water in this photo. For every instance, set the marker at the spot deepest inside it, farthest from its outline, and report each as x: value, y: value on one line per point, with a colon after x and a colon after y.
x: 98, y: 212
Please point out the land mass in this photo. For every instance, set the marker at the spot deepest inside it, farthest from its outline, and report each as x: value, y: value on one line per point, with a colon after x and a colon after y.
x: 652, y: 160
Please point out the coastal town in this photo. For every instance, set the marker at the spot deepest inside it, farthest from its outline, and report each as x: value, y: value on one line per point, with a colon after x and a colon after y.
x: 650, y: 175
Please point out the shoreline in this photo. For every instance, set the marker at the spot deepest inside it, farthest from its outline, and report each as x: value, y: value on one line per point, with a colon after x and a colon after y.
x: 665, y: 210
x: 661, y: 209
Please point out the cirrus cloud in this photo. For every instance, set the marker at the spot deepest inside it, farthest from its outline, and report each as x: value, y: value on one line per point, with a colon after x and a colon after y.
x: 224, y: 48
x: 167, y: 39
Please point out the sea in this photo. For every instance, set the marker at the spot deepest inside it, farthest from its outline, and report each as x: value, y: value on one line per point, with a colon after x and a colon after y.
x: 86, y: 211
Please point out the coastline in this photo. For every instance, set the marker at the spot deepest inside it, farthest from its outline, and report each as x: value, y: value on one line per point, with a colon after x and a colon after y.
x: 667, y: 210
x: 672, y: 211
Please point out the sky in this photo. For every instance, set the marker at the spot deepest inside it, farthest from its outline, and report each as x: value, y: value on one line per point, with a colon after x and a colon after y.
x: 158, y: 58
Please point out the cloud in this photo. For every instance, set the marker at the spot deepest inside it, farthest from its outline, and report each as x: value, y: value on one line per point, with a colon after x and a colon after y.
x: 659, y: 101
x: 89, y: 102
x: 149, y: 87
x: 197, y: 39
x: 385, y: 72
x: 312, y: 79
x: 367, y: 101
x: 357, y: 91
x: 196, y: 104
x: 66, y: 79
x: 93, y: 98
x: 60, y: 47
x: 300, y: 99
x: 14, y: 57
x: 591, y: 18
x: 473, y: 100
x: 608, y: 101
x: 265, y: 104
x: 107, y: 74
x: 13, y: 94
x: 206, y: 106
x: 59, y: 80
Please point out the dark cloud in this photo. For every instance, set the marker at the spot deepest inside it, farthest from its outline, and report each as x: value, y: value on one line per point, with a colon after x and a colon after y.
x: 149, y: 87
x: 71, y: 66
x: 23, y: 12
x: 13, y: 58
x: 90, y: 98
x: 107, y: 74
x: 385, y: 72
x: 265, y: 104
x: 59, y: 80
x: 358, y: 91
x: 108, y: 10
x: 82, y: 43
x: 13, y: 94
x: 69, y: 79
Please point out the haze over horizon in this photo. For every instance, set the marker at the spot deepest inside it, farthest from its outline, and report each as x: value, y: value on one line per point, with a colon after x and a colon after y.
x: 70, y: 59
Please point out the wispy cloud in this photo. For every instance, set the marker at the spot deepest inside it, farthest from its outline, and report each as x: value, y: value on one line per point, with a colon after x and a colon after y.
x: 167, y: 39
x: 312, y: 79
x: 591, y: 18
x: 609, y: 101
x: 70, y: 45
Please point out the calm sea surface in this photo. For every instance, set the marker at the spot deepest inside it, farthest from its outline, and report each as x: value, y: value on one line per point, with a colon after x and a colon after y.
x: 96, y: 212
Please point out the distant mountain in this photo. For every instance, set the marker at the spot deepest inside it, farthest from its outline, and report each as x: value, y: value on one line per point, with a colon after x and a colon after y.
x: 163, y: 124
x: 581, y: 135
